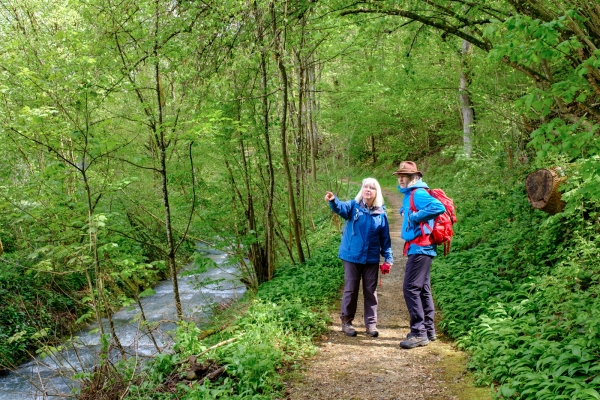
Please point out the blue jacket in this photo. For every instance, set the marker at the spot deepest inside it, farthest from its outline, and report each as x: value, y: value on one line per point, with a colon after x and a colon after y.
x: 367, y: 233
x: 428, y: 208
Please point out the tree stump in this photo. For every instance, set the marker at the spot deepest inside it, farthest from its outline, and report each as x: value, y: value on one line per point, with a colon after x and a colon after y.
x: 542, y: 190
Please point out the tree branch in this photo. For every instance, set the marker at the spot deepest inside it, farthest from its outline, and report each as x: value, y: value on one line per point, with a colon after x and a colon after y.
x: 424, y: 20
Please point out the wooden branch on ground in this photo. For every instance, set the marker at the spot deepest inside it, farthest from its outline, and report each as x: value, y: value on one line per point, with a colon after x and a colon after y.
x: 212, y: 375
x: 192, y: 359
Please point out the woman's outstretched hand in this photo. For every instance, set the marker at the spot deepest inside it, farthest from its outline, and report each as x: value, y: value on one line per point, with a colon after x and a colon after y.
x: 329, y: 196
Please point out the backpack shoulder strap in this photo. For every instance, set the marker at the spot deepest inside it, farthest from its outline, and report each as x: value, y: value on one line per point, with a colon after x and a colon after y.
x: 412, y: 201
x: 414, y: 209
x: 412, y: 198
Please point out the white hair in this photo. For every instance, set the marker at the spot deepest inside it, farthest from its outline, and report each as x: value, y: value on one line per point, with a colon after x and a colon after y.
x: 413, y: 180
x: 373, y: 183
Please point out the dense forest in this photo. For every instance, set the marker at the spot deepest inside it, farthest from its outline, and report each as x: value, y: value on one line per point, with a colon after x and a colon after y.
x: 133, y: 131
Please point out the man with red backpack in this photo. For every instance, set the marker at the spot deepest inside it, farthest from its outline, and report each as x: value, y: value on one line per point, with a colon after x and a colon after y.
x: 419, y: 210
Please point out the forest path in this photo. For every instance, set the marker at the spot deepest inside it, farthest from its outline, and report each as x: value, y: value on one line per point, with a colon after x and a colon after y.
x: 362, y: 367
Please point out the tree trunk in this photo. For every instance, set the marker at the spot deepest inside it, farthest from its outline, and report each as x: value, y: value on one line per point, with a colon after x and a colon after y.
x: 465, y: 99
x: 284, y: 148
x: 269, y: 247
x: 169, y: 231
x: 373, y: 150
x: 542, y: 190
x: 162, y: 145
x: 257, y: 251
x: 312, y: 123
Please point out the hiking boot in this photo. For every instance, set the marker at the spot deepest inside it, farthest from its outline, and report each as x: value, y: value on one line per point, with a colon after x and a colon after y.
x: 348, y: 329
x: 373, y: 332
x: 413, y: 341
x: 431, y: 336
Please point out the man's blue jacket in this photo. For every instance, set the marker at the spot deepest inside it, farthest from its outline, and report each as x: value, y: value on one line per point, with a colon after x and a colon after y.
x: 367, y: 233
x: 428, y: 208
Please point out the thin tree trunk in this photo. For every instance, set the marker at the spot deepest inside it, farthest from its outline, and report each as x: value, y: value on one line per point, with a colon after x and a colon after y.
x: 284, y: 150
x: 465, y: 99
x: 257, y: 252
x: 159, y: 135
x: 312, y: 107
x: 373, y: 149
x: 269, y: 217
x: 300, y: 122
x: 158, y: 146
x: 168, y: 225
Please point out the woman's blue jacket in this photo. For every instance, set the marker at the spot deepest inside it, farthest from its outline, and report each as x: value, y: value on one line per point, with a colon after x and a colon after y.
x: 428, y: 208
x: 367, y: 233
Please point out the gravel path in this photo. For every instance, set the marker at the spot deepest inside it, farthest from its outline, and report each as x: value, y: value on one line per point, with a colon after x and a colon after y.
x: 362, y: 367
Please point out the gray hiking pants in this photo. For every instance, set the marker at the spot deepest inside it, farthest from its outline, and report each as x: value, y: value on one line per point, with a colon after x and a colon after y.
x: 417, y: 294
x: 353, y: 273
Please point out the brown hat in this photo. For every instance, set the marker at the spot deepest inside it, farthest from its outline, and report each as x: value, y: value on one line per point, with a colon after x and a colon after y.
x: 408, y: 168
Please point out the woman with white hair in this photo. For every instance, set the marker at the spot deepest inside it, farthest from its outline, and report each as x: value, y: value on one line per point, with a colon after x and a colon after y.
x: 366, y: 238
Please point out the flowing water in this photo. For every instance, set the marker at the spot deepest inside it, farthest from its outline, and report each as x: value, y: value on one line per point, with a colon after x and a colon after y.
x: 51, y: 377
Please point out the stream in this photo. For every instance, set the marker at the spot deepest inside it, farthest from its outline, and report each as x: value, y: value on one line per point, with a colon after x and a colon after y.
x: 51, y: 377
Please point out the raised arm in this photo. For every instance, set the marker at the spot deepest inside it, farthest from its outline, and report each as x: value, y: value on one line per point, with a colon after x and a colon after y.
x: 341, y: 208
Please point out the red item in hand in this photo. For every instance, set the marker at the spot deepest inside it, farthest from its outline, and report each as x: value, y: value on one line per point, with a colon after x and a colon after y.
x: 385, y: 268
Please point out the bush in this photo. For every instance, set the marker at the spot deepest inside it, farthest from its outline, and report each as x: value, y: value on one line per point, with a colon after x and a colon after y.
x: 520, y: 290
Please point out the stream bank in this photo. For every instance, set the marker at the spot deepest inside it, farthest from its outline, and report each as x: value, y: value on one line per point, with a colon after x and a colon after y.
x: 53, y: 376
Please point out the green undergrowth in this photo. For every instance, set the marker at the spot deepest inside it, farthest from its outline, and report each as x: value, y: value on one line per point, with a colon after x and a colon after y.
x: 273, y: 331
x: 40, y: 307
x: 34, y: 307
x: 519, y: 290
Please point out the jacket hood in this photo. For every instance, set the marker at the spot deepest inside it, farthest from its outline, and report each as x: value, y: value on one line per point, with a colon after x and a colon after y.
x: 373, y: 210
x: 418, y: 185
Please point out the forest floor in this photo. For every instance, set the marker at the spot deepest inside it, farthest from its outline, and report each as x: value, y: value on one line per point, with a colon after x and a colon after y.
x: 362, y: 367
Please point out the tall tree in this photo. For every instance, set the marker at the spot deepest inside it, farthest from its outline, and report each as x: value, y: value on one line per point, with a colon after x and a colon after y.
x: 465, y: 98
x: 279, y: 49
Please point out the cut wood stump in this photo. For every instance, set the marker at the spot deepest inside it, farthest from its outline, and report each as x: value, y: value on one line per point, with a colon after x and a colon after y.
x: 542, y: 190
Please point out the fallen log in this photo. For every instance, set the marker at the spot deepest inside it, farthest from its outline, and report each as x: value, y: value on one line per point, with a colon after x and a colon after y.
x: 542, y: 190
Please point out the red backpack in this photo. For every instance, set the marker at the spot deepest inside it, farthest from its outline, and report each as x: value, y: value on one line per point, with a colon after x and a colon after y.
x: 442, y: 224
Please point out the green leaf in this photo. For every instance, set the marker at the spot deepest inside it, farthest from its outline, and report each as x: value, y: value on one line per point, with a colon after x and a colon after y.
x: 146, y: 293
x: 507, y: 391
x: 590, y: 392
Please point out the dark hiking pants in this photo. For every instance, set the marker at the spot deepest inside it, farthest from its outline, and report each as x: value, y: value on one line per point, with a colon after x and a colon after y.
x: 417, y: 294
x: 353, y: 273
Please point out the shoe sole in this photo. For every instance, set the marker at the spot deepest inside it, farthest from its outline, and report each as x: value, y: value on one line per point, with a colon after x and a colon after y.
x: 350, y: 334
x: 373, y: 334
x: 413, y: 345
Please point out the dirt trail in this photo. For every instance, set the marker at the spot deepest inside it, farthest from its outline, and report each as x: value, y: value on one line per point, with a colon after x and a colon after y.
x: 362, y: 367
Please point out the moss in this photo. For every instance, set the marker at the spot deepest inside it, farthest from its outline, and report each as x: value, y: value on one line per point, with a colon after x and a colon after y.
x: 459, y: 381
